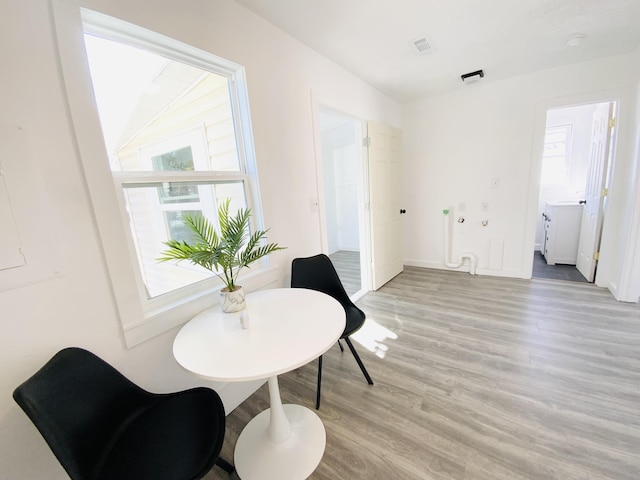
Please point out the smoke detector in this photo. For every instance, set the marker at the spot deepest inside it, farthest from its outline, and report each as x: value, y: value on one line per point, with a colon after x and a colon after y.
x: 575, y: 40
x: 422, y: 45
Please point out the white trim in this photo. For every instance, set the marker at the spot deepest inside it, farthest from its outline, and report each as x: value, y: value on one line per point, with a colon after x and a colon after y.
x: 620, y: 96
x: 84, y: 126
x: 629, y: 290
x: 162, y: 320
x: 320, y: 103
x: 141, y: 179
x: 140, y: 319
x: 102, y: 25
x: 465, y: 269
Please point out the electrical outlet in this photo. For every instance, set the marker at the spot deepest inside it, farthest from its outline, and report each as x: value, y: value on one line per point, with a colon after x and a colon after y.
x: 314, y: 205
x: 484, y: 207
x: 495, y: 183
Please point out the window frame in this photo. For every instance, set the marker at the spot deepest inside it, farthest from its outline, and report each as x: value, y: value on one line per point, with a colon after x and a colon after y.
x: 140, y: 318
x: 194, y: 138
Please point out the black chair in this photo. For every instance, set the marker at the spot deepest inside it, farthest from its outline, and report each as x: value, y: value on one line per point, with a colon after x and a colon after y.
x: 318, y: 273
x: 102, y: 426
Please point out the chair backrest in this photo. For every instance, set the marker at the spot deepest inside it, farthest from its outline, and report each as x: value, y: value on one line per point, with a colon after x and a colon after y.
x: 318, y: 273
x: 77, y: 400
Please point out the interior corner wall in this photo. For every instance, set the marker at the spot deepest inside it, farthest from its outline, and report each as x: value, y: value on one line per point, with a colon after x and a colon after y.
x: 76, y: 306
x: 630, y: 290
x: 622, y: 212
x: 634, y: 266
x: 476, y: 145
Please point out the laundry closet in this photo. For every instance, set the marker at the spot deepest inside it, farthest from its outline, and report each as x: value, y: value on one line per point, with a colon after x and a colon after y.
x: 577, y: 147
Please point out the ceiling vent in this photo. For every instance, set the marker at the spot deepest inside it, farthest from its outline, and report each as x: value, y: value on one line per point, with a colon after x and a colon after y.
x: 472, y: 76
x: 422, y: 45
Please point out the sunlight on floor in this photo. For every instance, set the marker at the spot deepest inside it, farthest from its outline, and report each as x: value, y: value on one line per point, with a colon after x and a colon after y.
x: 372, y: 336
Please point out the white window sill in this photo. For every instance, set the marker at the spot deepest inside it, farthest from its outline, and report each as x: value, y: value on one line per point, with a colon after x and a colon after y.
x: 180, y: 312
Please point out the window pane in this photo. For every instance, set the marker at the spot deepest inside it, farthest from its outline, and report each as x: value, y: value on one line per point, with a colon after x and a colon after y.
x: 175, y: 225
x: 180, y: 160
x: 144, y: 99
x: 234, y: 191
x: 153, y: 221
x: 557, y: 155
x: 178, y: 193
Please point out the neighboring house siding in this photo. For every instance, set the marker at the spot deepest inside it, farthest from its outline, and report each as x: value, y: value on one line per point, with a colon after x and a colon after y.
x: 205, y: 105
x: 204, y: 108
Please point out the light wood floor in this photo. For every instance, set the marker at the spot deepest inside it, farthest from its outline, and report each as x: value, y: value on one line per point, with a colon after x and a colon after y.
x: 477, y: 378
x: 347, y: 265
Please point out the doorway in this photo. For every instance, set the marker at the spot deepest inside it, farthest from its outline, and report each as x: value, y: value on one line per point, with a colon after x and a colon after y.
x: 578, y: 150
x: 343, y: 201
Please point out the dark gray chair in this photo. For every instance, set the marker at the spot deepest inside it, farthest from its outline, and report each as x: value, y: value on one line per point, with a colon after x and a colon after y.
x: 101, y: 426
x: 318, y: 273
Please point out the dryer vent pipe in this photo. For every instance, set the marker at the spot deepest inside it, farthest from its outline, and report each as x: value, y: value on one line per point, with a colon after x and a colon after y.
x: 471, y: 257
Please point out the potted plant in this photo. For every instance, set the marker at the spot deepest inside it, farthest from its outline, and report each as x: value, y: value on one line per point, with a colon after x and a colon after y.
x: 224, y: 253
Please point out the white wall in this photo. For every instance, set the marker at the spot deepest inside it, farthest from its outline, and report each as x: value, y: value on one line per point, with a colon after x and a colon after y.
x: 456, y: 144
x: 75, y: 306
x: 451, y: 155
x: 630, y: 276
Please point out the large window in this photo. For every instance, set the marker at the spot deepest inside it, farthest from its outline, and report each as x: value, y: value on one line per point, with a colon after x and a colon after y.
x: 556, y: 159
x: 176, y: 126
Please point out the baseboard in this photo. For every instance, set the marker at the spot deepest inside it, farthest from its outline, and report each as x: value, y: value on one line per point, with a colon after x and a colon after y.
x: 465, y: 269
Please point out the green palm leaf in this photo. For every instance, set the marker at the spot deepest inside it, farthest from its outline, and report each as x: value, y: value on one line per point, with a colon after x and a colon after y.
x: 225, y: 252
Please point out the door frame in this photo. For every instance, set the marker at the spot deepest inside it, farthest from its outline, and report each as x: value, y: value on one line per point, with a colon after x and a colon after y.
x: 588, y: 112
x: 364, y: 221
x: 540, y: 124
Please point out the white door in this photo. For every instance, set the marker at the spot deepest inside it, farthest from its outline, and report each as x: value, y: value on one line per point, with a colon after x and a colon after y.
x: 385, y: 187
x: 592, y: 214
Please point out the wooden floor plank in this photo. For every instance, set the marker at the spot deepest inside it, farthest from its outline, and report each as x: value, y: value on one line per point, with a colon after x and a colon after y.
x: 477, y: 378
x: 347, y: 265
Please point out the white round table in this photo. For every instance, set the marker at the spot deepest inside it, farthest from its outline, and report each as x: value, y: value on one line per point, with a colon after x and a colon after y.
x: 288, y: 328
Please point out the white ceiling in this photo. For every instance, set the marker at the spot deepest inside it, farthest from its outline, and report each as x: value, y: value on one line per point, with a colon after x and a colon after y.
x: 373, y: 38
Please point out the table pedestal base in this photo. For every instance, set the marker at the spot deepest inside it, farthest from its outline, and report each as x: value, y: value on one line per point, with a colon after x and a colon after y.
x: 257, y: 457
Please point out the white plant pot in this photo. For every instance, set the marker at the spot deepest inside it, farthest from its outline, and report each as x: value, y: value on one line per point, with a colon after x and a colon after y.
x: 232, y: 301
